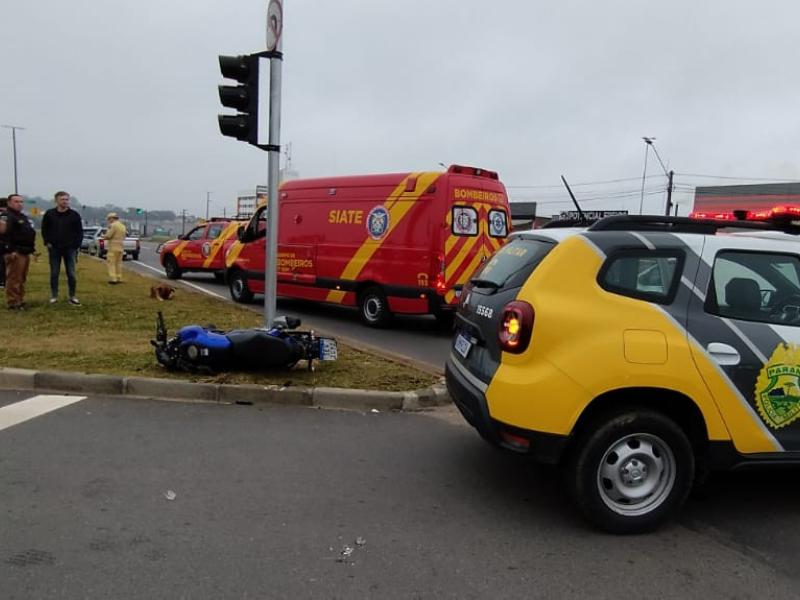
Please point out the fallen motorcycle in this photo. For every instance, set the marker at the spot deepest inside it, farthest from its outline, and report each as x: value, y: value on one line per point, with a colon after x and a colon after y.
x: 209, y: 350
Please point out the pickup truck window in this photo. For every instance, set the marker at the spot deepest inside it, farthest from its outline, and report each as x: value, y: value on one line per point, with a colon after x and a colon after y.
x: 196, y: 234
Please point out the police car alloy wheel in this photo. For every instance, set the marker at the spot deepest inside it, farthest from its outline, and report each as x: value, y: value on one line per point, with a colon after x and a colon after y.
x: 631, y: 470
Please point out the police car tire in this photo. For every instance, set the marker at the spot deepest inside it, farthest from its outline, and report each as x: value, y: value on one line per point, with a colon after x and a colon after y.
x: 373, y: 307
x: 237, y: 281
x: 603, y: 434
x: 171, y: 267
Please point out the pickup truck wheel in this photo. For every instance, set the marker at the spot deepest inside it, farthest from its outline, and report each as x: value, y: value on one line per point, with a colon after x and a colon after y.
x: 373, y: 307
x: 630, y: 470
x: 171, y: 267
x: 238, y: 288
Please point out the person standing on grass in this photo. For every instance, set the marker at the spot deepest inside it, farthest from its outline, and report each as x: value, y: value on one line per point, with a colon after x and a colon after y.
x: 62, y: 232
x: 20, y: 239
x: 115, y: 238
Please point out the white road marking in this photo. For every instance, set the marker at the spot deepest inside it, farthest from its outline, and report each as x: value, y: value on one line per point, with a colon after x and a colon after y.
x: 191, y: 285
x: 19, y: 412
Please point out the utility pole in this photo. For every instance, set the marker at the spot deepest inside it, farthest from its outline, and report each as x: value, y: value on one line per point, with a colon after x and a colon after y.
x: 208, y: 201
x: 13, y: 129
x: 670, y: 176
x: 183, y: 222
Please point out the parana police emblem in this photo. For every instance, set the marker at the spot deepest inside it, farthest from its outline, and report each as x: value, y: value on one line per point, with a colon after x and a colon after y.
x: 378, y: 222
x: 778, y: 387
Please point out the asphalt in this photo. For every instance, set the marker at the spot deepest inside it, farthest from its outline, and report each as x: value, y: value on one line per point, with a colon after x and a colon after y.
x: 170, y: 389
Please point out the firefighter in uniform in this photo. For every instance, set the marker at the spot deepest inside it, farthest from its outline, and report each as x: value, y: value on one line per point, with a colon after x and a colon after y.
x: 20, y: 242
x: 115, y: 238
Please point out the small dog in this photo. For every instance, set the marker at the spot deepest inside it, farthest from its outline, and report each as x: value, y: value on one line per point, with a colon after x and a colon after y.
x: 162, y: 292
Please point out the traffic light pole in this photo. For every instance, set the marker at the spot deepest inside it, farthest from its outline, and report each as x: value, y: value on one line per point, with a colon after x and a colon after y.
x: 273, y: 167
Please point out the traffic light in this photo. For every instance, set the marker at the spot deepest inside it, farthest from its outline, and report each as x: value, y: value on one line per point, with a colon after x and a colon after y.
x: 243, y: 97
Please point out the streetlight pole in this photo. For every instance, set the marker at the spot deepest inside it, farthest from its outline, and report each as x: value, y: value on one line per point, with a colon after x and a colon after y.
x: 208, y: 201
x: 648, y: 141
x: 670, y: 174
x: 13, y: 129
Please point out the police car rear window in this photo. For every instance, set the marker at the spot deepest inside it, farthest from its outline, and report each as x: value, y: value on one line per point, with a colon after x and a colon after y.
x: 650, y: 275
x: 511, y: 265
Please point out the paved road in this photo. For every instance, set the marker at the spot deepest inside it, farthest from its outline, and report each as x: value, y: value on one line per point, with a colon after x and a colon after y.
x: 418, y: 338
x: 267, y: 499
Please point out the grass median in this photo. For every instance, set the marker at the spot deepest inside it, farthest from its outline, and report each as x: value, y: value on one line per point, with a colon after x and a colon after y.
x: 111, y: 332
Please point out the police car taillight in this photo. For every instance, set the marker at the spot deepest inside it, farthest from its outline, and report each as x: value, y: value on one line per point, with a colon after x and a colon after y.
x: 515, y: 326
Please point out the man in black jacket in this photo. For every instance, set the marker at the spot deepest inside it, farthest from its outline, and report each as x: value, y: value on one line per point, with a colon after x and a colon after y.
x: 62, y: 232
x: 20, y: 238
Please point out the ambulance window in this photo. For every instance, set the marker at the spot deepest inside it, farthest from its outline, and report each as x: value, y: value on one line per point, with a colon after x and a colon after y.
x: 465, y: 220
x: 756, y: 286
x: 498, y: 224
x: 644, y: 274
x: 512, y: 264
x: 214, y: 232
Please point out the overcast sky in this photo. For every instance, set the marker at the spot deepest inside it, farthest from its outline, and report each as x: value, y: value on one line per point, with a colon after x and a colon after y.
x: 119, y: 97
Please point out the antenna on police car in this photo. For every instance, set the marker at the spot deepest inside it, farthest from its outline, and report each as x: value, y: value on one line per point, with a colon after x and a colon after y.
x: 574, y: 201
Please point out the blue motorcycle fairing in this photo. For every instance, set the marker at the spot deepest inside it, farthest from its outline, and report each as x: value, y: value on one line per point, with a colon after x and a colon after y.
x: 195, y: 334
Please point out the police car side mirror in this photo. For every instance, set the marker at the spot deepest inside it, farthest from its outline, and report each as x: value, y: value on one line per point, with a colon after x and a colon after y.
x: 241, y: 233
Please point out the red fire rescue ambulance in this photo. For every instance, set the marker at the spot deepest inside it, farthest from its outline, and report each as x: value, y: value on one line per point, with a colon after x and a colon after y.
x: 397, y: 243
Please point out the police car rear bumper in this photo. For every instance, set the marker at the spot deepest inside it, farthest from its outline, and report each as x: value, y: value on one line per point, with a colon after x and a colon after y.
x: 468, y: 394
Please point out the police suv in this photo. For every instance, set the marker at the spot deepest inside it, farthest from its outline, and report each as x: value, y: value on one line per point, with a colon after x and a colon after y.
x: 636, y: 354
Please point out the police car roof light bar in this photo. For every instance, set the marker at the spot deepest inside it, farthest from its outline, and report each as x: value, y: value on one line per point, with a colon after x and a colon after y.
x: 686, y: 224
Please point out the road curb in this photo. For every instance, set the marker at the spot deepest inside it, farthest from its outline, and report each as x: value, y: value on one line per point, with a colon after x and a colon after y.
x: 176, y: 389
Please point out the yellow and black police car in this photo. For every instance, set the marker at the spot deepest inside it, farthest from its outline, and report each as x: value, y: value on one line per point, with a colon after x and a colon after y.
x: 635, y: 353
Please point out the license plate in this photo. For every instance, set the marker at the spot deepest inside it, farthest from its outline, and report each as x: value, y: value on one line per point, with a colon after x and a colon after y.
x: 328, y: 349
x: 462, y: 345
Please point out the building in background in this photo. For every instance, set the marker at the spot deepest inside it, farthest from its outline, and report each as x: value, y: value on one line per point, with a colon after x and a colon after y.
x: 719, y: 200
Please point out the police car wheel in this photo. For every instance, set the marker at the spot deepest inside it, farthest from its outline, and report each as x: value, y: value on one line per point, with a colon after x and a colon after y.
x: 374, y: 307
x: 631, y: 470
x: 237, y: 285
x: 171, y: 268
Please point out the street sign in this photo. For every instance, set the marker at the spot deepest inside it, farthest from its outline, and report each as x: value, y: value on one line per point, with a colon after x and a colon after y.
x: 274, y: 25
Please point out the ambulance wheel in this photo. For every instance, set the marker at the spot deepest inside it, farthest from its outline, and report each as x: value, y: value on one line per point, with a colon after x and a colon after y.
x: 171, y: 268
x: 630, y: 470
x: 374, y: 307
x: 238, y: 288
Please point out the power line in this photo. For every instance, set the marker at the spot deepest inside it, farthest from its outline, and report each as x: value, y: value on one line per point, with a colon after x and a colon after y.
x: 512, y: 187
x: 738, y: 178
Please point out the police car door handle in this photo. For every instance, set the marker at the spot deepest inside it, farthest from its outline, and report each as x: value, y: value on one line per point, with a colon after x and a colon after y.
x: 723, y: 353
